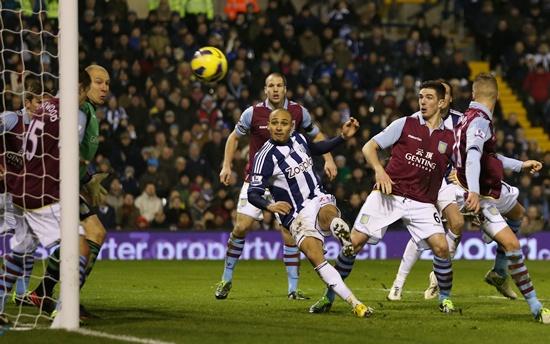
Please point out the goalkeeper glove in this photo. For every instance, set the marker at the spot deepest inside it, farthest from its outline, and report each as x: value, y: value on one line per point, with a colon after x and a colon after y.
x: 94, y: 190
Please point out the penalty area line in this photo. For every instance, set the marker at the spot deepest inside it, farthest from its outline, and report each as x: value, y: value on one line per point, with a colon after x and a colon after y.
x: 122, y: 338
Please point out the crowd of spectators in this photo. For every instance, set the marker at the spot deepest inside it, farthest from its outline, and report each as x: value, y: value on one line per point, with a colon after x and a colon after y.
x: 162, y: 133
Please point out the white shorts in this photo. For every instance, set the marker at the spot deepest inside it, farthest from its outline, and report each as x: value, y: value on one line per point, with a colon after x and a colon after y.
x: 493, y: 209
x: 381, y: 210
x: 447, y: 195
x: 8, y: 218
x: 305, y: 224
x: 244, y: 207
x: 45, y: 223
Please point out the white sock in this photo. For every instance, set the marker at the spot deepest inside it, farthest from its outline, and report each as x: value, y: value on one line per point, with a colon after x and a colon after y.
x: 333, y: 280
x: 452, y: 242
x: 410, y: 256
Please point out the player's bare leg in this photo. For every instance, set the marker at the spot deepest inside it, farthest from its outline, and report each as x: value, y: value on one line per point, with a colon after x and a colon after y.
x: 313, y: 249
x: 344, y: 265
x: 518, y: 270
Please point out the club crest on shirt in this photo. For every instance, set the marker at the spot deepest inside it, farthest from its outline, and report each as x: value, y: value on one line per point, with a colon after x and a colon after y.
x: 442, y: 147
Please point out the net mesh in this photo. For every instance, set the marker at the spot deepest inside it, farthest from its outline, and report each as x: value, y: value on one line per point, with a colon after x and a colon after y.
x: 28, y: 56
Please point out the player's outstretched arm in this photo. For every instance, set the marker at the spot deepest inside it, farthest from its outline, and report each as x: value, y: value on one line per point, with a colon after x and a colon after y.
x: 229, y: 153
x: 383, y: 180
x: 322, y: 147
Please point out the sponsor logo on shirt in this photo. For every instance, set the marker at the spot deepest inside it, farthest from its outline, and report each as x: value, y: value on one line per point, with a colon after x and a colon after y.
x: 415, y: 138
x: 293, y: 171
x: 421, y: 159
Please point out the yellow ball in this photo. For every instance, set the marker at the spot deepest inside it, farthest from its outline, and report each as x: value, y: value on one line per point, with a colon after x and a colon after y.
x: 209, y: 64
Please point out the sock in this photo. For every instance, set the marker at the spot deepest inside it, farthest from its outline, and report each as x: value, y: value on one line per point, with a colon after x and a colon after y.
x: 234, y: 249
x: 291, y: 257
x: 514, y: 225
x: 335, y: 282
x: 410, y: 256
x: 51, y: 276
x: 452, y: 242
x: 501, y: 262
x: 23, y: 282
x: 344, y: 265
x: 9, y: 272
x: 94, y: 253
x: 521, y: 278
x: 82, y: 272
x: 443, y: 270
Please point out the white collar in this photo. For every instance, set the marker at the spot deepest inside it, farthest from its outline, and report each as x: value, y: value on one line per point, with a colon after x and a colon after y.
x: 481, y: 107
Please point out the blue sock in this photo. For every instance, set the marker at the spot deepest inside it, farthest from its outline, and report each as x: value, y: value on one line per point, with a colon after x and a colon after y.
x: 521, y: 278
x: 234, y: 249
x: 443, y: 269
x: 9, y: 272
x: 291, y: 258
x: 501, y: 262
x: 344, y: 265
x: 23, y: 282
x: 514, y: 225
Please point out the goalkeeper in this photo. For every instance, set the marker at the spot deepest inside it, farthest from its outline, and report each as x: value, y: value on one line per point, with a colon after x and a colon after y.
x: 91, y: 191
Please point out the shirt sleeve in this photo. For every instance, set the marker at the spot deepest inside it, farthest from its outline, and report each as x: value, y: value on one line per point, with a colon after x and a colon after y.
x: 473, y: 170
x: 391, y: 134
x: 477, y: 134
x: 262, y: 170
x: 82, y: 121
x: 8, y: 121
x: 242, y: 128
x: 325, y: 146
x: 510, y: 164
x: 310, y: 128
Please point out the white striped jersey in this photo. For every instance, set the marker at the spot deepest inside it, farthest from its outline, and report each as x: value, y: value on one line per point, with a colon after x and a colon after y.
x: 287, y: 171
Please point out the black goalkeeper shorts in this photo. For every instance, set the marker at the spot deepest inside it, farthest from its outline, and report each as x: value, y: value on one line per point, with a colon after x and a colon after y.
x: 85, y: 209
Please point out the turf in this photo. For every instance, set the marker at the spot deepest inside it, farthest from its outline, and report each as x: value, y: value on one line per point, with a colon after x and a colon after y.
x: 173, y: 302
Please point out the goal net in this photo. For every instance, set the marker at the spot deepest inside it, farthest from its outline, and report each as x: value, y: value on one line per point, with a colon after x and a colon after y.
x: 29, y: 75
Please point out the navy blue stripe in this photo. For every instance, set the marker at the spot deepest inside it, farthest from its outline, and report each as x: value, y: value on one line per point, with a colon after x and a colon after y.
x: 292, y: 182
x: 310, y: 182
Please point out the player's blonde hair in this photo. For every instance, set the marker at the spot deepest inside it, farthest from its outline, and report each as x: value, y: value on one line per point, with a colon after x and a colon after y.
x: 93, y: 67
x: 485, y: 87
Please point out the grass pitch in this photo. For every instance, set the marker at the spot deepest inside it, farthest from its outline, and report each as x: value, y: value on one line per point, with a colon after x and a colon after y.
x: 173, y: 301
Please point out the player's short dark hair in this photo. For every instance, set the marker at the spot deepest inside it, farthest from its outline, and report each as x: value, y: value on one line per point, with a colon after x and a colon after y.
x: 84, y: 80
x: 445, y: 82
x: 436, y: 86
x: 33, y: 89
x: 276, y: 74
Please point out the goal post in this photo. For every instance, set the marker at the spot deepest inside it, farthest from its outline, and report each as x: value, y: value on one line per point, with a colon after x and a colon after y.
x: 68, y: 317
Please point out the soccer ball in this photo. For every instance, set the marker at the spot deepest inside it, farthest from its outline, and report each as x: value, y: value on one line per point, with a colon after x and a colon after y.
x: 209, y: 64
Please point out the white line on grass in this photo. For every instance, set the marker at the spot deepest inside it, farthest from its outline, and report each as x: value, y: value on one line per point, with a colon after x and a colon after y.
x: 422, y: 292
x: 122, y: 338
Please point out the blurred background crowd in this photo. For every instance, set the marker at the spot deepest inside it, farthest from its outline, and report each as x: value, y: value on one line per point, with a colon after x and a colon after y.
x: 163, y: 133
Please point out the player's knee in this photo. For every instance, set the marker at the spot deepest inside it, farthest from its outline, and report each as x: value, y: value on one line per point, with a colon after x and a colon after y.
x: 441, y: 251
x: 511, y: 245
x: 240, y: 229
x: 326, y: 215
x: 358, y: 240
x: 457, y: 224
